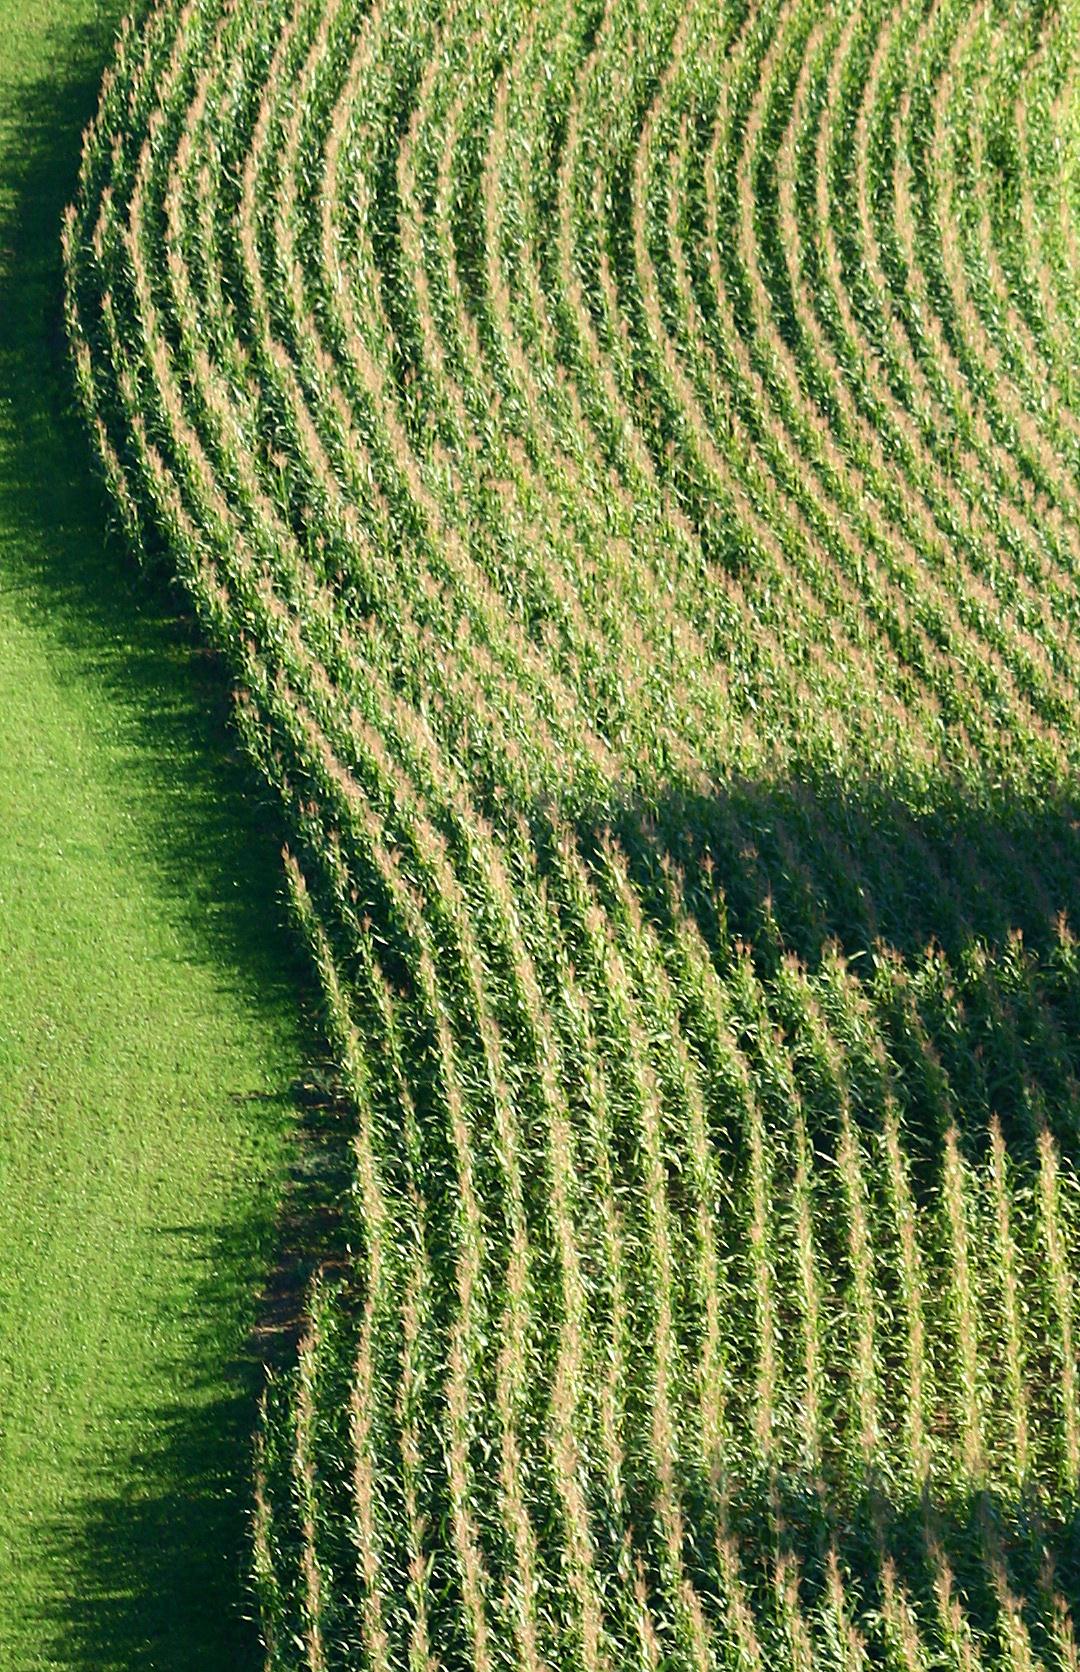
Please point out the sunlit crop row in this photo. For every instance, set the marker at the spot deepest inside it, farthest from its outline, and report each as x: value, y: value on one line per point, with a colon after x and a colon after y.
x: 628, y: 455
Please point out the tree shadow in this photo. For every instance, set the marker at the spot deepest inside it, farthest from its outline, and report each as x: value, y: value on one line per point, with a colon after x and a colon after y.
x: 973, y: 887
x: 160, y: 1554
x: 161, y: 1551
x: 157, y: 1548
x: 860, y: 862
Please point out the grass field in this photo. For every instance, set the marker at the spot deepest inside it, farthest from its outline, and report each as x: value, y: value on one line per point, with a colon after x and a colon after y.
x: 627, y: 453
x: 149, y: 1030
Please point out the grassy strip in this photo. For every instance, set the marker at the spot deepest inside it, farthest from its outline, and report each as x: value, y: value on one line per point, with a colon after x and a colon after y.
x: 147, y: 1024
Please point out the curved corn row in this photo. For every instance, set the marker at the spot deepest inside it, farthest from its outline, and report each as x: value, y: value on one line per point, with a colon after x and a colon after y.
x: 628, y: 455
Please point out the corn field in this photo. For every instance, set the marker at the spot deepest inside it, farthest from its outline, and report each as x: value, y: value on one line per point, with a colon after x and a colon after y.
x: 628, y: 455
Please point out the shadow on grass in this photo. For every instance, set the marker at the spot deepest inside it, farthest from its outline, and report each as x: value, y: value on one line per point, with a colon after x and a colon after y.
x: 159, y: 1556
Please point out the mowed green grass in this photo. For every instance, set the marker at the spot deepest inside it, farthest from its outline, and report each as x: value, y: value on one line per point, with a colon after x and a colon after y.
x: 148, y: 1032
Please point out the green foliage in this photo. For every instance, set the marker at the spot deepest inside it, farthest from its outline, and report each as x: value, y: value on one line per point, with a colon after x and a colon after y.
x: 627, y: 455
